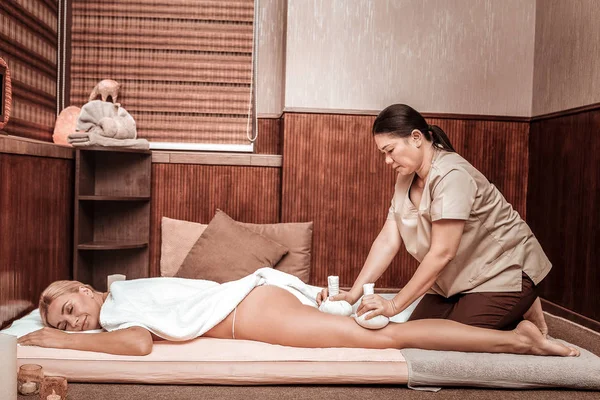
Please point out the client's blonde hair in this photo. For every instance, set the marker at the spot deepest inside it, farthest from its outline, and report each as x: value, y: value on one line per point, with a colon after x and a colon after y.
x: 55, y: 290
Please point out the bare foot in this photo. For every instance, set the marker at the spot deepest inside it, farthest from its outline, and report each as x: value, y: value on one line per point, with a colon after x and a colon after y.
x: 536, y: 316
x: 535, y: 343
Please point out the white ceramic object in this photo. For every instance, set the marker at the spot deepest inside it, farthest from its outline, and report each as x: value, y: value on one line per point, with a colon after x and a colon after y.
x: 377, y: 322
x: 335, y: 307
x: 8, y: 367
x: 114, y: 278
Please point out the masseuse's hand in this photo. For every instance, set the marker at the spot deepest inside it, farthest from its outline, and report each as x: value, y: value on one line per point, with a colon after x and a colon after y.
x: 347, y: 296
x: 45, y: 337
x: 377, y: 304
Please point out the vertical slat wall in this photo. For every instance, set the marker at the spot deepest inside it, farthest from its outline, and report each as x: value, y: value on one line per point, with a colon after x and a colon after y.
x: 269, y: 136
x: 28, y: 43
x: 334, y: 175
x: 185, y: 66
x: 36, y: 215
x: 193, y: 192
x: 562, y: 207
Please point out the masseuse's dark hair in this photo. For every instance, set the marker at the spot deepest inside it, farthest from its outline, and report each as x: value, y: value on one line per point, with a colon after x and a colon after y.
x: 400, y: 120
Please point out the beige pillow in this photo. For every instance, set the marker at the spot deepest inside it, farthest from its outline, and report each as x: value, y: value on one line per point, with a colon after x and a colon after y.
x: 297, y: 237
x: 227, y: 251
x: 177, y: 239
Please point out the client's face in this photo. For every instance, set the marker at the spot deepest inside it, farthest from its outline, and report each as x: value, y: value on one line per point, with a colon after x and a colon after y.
x: 78, y: 311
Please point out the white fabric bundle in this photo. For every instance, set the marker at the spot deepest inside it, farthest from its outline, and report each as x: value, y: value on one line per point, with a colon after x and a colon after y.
x: 101, y: 123
x: 182, y: 309
x: 112, y: 119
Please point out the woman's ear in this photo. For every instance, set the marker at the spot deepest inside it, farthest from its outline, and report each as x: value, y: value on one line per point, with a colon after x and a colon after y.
x: 416, y: 137
x: 86, y: 291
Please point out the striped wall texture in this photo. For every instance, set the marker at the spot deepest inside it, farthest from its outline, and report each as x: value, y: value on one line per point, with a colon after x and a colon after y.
x: 185, y: 66
x: 562, y: 207
x: 194, y: 192
x: 28, y: 43
x: 269, y: 136
x: 36, y: 225
x: 334, y: 175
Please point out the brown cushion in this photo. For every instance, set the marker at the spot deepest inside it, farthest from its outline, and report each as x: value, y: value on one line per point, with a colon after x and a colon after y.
x: 297, y: 237
x: 227, y: 251
x: 177, y: 239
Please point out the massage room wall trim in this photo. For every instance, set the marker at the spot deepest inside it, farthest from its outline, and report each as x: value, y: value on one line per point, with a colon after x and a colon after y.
x: 562, y: 209
x: 36, y: 211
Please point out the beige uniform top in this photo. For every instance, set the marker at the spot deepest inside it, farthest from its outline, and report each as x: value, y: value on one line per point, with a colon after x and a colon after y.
x: 496, y: 245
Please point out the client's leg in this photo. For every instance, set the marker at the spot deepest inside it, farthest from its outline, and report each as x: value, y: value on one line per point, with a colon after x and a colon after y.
x: 273, y: 315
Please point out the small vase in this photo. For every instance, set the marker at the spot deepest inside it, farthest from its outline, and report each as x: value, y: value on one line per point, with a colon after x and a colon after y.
x: 29, y: 379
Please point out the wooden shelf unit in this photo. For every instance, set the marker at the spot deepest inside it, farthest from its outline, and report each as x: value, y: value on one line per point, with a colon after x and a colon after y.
x: 112, y: 214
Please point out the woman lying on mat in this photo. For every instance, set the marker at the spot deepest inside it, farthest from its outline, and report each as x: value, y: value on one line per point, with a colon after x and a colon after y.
x: 266, y: 306
x: 480, y: 264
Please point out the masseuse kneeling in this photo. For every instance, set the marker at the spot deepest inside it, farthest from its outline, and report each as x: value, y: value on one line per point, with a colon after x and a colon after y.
x: 479, y: 261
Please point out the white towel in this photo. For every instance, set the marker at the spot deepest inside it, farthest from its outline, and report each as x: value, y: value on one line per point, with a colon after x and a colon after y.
x: 182, y: 309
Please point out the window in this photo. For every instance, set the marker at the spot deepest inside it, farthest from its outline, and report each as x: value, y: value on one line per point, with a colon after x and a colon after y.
x: 185, y: 67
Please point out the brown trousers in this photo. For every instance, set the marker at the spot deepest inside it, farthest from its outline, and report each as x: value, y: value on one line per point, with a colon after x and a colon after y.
x: 493, y: 310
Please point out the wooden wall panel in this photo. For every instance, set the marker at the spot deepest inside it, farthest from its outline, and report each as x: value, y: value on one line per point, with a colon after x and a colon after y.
x: 499, y: 149
x: 269, y: 136
x: 562, y: 207
x: 194, y: 192
x: 36, y: 201
x: 334, y: 175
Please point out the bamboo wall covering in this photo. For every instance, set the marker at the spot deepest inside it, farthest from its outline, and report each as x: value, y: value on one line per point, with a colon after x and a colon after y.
x: 185, y: 67
x: 28, y: 43
x: 562, y: 207
x: 36, y: 208
x: 194, y: 192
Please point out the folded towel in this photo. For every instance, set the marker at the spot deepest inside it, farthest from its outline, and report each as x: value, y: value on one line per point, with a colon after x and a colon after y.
x: 94, y: 139
x: 113, y: 120
x: 106, y: 124
x: 431, y: 369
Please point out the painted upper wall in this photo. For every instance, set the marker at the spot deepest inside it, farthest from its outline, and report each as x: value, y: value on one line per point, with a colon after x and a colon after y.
x: 449, y: 56
x: 271, y: 57
x: 567, y: 55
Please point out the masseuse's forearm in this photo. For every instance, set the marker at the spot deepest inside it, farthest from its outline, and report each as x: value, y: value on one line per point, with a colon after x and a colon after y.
x: 380, y: 256
x: 133, y: 341
x: 422, y: 280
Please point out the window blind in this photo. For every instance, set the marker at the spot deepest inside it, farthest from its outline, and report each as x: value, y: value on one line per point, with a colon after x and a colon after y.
x: 28, y: 44
x: 185, y: 66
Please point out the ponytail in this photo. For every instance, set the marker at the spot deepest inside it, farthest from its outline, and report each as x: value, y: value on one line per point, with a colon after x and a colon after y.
x: 439, y: 138
x: 399, y: 120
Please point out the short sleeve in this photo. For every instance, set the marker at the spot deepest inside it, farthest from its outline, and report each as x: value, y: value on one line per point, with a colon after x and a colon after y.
x: 392, y: 209
x: 453, y: 196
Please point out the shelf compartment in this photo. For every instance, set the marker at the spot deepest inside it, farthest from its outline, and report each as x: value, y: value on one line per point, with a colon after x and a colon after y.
x: 113, y: 198
x: 108, y: 245
x: 95, y: 266
x: 112, y: 222
x: 113, y: 173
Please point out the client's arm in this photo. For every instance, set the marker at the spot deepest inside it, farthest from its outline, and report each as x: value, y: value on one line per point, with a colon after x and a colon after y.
x: 134, y: 341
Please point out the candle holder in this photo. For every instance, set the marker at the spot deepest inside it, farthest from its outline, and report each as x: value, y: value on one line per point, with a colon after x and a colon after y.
x: 54, y: 388
x: 29, y: 379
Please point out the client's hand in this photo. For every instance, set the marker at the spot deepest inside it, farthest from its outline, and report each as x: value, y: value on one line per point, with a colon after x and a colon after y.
x: 378, y: 305
x: 45, y: 337
x: 347, y: 296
